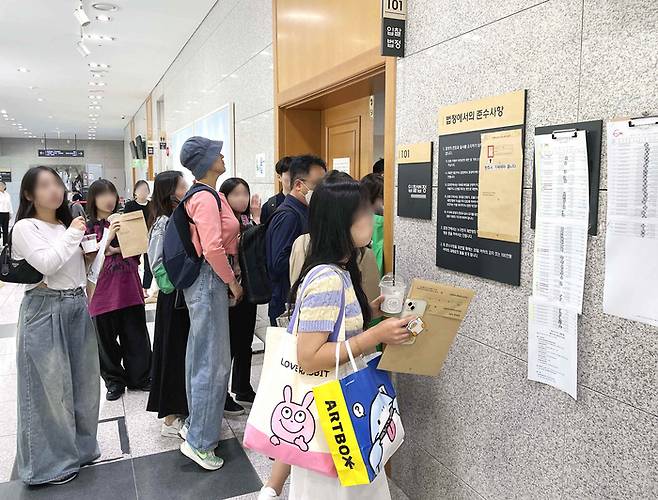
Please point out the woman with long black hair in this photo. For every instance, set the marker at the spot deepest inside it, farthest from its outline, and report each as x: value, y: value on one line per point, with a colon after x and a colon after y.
x: 57, y: 354
x: 241, y: 315
x: 340, y: 222
x: 172, y: 320
x: 140, y: 201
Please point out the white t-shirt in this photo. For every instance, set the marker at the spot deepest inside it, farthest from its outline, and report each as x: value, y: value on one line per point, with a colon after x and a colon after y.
x: 51, y: 249
x: 5, y: 203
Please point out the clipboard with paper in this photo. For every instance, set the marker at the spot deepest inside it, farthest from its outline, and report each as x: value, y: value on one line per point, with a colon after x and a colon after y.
x: 446, y: 308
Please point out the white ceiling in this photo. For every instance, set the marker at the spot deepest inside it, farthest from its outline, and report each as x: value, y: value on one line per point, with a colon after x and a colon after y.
x: 40, y: 35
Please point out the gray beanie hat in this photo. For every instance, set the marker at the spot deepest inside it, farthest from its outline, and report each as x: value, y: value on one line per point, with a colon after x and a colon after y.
x: 198, y: 154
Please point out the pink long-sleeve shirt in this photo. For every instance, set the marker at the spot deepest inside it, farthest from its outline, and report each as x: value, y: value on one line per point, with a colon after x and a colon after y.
x: 214, y: 233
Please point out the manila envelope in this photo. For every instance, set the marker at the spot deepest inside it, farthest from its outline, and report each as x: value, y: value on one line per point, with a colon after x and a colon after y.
x: 133, y: 235
x: 446, y: 308
x: 499, y: 191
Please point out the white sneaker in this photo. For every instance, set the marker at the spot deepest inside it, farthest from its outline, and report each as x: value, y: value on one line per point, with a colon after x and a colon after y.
x: 173, y: 430
x: 206, y: 459
x: 182, y: 433
x: 266, y: 493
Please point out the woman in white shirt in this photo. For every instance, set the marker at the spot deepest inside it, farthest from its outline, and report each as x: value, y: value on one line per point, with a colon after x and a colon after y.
x: 57, y: 353
x: 5, y: 211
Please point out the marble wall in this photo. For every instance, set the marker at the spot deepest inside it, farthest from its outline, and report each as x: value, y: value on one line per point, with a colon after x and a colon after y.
x: 481, y: 429
x: 227, y: 59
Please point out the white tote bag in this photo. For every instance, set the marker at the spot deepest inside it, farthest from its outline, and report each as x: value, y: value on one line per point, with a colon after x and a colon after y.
x: 283, y: 422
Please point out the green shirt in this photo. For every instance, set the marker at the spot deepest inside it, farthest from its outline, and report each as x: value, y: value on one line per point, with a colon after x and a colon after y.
x: 378, y: 242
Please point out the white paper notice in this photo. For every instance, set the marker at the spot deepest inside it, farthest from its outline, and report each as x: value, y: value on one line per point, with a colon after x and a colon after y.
x: 553, y: 345
x: 341, y: 164
x: 260, y: 165
x: 631, y: 243
x: 562, y: 208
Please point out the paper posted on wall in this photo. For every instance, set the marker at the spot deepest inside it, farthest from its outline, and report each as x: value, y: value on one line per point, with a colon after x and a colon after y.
x: 631, y: 243
x: 553, y: 345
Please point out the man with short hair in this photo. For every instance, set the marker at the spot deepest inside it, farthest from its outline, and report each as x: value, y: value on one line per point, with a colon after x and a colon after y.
x: 282, y: 169
x: 288, y: 222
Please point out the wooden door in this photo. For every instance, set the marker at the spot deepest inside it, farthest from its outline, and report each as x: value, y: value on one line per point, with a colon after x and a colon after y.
x: 347, y: 139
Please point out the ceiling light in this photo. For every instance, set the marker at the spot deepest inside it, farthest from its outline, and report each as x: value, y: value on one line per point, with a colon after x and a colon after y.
x: 15, y: 124
x: 82, y: 48
x: 94, y: 107
x: 95, y: 97
x: 99, y: 65
x: 23, y: 70
x: 98, y: 38
x: 81, y: 16
x: 105, y: 6
x: 13, y: 119
x: 97, y: 84
x: 93, y: 115
x: 33, y: 87
x: 50, y: 116
x: 96, y: 75
x: 103, y: 18
x: 3, y: 111
x: 39, y: 99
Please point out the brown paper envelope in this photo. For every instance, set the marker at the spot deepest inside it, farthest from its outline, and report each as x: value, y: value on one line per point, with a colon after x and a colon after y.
x: 446, y: 308
x: 500, y: 185
x: 133, y: 235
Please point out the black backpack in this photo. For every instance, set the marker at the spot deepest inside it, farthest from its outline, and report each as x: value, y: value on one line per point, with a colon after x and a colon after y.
x: 179, y: 256
x: 252, y: 256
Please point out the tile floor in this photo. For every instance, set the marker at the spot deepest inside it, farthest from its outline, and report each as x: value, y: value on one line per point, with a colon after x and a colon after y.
x: 135, y: 458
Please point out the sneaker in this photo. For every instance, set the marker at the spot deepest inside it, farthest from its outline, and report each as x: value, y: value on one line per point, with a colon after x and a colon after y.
x: 114, y: 393
x: 173, y: 430
x: 266, y: 493
x: 182, y: 433
x: 65, y: 479
x: 206, y: 459
x: 231, y: 408
x: 246, y: 400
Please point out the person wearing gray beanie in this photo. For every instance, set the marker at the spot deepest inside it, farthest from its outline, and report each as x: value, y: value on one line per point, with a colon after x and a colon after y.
x: 213, y: 229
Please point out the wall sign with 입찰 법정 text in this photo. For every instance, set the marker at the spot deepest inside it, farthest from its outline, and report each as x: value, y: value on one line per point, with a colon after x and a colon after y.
x: 415, y: 180
x: 5, y: 174
x: 394, y: 15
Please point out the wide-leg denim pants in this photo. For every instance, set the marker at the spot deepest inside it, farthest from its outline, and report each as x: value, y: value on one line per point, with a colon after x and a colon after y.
x: 58, y: 385
x: 208, y: 358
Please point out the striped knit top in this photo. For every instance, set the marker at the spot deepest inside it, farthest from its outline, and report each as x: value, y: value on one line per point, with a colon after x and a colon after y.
x: 320, y: 303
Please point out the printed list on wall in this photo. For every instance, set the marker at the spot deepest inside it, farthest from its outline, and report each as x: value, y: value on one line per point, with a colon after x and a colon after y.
x: 479, y: 194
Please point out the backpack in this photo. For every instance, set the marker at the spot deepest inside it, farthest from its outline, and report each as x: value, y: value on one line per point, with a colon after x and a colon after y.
x: 179, y: 256
x: 252, y: 255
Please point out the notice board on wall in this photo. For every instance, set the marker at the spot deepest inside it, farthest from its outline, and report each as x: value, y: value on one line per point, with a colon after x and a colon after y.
x: 462, y: 164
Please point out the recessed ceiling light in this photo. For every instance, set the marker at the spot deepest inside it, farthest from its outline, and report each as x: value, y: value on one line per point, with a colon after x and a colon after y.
x: 105, y: 6
x: 23, y: 70
x: 3, y: 111
x: 99, y: 65
x: 14, y: 124
x: 40, y: 99
x: 33, y: 87
x: 103, y: 18
x: 95, y: 97
x: 13, y: 119
x: 97, y: 75
x: 93, y: 115
x: 97, y: 84
x: 50, y: 116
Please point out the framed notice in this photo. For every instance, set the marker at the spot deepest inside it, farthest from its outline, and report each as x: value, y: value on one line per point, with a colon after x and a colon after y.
x: 470, y: 175
x: 415, y: 180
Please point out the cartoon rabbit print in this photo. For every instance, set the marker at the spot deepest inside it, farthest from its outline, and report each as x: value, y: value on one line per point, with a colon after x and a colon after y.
x: 292, y: 422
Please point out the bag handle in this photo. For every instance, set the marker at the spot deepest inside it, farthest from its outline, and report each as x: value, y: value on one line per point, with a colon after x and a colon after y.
x: 349, y: 353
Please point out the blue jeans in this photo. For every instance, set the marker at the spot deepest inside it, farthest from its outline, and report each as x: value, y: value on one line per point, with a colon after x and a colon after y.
x: 58, y: 385
x: 208, y: 358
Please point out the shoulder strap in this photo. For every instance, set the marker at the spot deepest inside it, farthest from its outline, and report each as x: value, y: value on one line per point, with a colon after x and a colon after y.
x: 201, y: 187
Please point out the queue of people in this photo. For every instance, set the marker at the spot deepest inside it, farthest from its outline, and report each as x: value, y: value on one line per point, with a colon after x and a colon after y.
x: 204, y: 330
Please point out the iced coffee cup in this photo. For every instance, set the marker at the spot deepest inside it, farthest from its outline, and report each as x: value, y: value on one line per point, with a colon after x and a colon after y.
x: 393, y: 289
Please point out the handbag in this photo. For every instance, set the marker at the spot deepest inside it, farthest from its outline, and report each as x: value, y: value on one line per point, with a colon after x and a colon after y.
x: 283, y: 422
x: 360, y: 418
x: 17, y: 271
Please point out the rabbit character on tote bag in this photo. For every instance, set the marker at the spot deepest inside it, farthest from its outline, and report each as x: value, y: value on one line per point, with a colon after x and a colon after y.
x: 283, y: 422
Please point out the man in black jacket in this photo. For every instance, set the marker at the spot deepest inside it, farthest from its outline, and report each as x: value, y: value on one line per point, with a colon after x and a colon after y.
x: 283, y: 176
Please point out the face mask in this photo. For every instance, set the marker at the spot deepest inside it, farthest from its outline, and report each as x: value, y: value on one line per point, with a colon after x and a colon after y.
x: 308, y: 196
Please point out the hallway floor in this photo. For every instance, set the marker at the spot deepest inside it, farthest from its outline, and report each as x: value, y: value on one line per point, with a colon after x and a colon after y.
x: 136, y: 461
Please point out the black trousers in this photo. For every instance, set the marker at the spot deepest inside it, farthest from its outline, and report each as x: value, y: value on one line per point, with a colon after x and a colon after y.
x: 133, y: 348
x: 242, y: 323
x: 4, y: 226
x: 148, y: 276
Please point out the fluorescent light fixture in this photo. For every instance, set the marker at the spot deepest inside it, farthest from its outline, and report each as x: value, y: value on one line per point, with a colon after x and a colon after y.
x: 95, y: 97
x: 98, y: 38
x: 81, y: 16
x: 23, y: 70
x: 82, y: 48
x: 103, y: 18
x: 97, y: 84
x: 99, y: 65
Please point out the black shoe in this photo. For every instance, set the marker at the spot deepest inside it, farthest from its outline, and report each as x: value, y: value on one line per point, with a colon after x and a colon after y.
x: 146, y: 387
x: 114, y: 393
x: 231, y: 408
x: 246, y: 399
x: 65, y: 479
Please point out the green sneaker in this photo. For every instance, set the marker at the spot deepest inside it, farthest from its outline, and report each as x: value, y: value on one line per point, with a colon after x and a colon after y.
x: 206, y: 459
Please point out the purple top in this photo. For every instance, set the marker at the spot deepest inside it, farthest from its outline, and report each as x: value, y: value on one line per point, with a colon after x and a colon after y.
x: 118, y: 284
